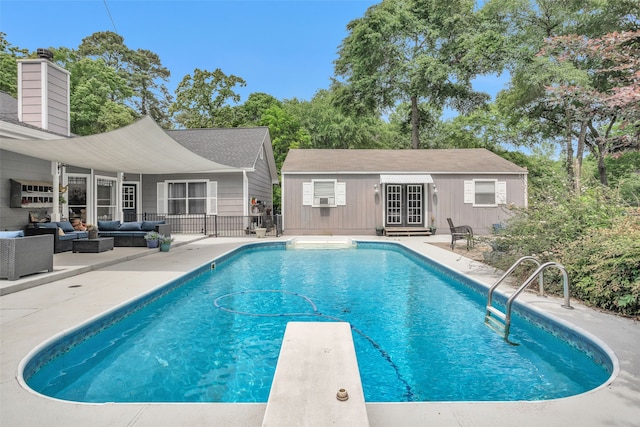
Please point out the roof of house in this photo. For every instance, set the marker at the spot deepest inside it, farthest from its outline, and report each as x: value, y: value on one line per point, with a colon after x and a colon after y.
x: 237, y: 147
x: 8, y: 107
x: 463, y: 160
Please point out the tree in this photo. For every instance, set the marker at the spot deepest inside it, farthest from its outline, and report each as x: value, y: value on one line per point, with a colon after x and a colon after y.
x: 529, y: 23
x: 202, y: 101
x: 9, y: 66
x: 141, y: 69
x: 608, y: 100
x: 250, y: 113
x: 331, y: 127
x: 417, y: 51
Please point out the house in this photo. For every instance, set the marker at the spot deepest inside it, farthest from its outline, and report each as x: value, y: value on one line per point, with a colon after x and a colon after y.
x: 129, y: 173
x: 409, y: 191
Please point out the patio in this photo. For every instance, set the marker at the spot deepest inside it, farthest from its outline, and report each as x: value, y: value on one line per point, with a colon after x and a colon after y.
x: 35, y: 308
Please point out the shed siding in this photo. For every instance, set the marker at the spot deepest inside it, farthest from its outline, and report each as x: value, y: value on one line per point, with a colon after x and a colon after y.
x: 365, y: 210
x: 360, y: 215
x: 449, y: 202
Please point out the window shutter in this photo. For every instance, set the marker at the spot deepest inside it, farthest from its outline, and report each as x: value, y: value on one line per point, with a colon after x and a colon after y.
x: 161, y: 198
x: 341, y: 193
x: 307, y: 193
x: 501, y: 192
x: 468, y: 192
x: 212, y: 197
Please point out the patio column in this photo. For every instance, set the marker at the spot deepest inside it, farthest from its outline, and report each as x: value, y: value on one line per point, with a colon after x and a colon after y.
x: 55, y: 173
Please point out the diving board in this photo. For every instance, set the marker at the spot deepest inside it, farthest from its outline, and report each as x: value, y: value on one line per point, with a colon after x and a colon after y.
x: 317, y: 364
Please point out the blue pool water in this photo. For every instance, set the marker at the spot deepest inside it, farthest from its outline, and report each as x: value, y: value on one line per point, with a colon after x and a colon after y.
x: 418, y: 331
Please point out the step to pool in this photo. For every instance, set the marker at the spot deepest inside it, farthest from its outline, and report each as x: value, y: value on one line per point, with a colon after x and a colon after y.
x: 317, y: 369
x: 321, y: 243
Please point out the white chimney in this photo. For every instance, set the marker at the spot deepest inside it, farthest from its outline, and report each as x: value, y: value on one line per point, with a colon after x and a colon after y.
x: 43, y: 94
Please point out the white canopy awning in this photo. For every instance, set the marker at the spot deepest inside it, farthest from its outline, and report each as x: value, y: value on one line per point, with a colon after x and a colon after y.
x: 142, y: 147
x: 406, y: 179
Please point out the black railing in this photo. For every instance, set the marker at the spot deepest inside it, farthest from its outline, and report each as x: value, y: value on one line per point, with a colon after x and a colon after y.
x: 217, y: 226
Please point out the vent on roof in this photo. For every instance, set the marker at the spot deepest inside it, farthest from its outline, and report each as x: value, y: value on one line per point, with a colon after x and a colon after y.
x: 45, y: 53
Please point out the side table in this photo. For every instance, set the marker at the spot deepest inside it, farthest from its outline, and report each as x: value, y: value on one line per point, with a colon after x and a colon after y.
x: 100, y: 244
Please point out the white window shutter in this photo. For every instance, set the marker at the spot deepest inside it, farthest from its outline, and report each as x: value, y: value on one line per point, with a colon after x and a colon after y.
x: 307, y: 193
x: 341, y: 193
x: 468, y: 192
x: 161, y: 198
x: 501, y: 192
x: 212, y: 197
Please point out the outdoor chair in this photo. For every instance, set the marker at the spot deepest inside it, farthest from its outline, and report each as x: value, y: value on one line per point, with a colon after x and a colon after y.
x: 460, y: 232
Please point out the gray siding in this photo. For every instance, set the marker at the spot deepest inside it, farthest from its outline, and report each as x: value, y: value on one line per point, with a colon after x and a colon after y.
x: 364, y: 209
x: 449, y: 202
x: 259, y: 185
x: 230, y: 200
x: 361, y: 214
x: 17, y: 166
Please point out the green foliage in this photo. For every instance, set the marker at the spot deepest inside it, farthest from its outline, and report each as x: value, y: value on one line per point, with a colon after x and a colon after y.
x: 604, y: 266
x: 9, y: 66
x: 624, y: 173
x: 204, y: 99
x: 592, y: 235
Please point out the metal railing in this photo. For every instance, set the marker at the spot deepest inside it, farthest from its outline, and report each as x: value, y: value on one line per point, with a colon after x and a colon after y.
x: 215, y: 225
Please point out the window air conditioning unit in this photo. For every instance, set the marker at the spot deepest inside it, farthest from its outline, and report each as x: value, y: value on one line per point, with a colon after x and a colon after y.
x: 324, y: 201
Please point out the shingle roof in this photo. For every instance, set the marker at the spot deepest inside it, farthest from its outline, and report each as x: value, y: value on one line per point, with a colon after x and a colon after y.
x: 8, y: 107
x: 471, y: 160
x: 237, y: 147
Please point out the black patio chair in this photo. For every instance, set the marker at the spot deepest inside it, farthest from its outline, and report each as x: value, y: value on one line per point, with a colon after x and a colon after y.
x: 460, y: 232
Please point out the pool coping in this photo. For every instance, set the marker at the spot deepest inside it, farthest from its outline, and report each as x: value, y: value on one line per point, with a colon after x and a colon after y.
x: 30, y: 315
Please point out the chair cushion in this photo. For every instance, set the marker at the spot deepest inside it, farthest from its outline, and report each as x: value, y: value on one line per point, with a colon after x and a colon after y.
x: 11, y: 234
x: 130, y: 226
x: 108, y: 225
x: 150, y: 225
x: 66, y: 226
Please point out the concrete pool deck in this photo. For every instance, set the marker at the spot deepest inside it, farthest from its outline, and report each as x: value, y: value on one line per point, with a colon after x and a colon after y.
x: 87, y: 285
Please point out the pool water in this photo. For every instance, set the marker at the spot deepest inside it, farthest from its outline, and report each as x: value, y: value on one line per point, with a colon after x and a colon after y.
x: 418, y: 332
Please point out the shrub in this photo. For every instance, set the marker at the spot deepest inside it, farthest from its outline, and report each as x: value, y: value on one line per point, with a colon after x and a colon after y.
x: 604, y: 266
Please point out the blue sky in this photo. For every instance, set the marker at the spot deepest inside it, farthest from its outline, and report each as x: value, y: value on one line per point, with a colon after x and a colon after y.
x: 283, y: 48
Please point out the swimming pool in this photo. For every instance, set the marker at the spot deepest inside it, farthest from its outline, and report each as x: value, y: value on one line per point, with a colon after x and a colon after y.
x: 241, y: 308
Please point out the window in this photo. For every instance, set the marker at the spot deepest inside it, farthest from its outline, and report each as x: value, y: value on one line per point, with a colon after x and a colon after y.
x: 187, y: 197
x: 485, y: 192
x: 323, y: 193
x: 106, y: 198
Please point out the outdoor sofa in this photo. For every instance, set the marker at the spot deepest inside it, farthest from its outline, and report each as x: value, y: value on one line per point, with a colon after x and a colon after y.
x: 20, y: 255
x: 63, y: 234
x: 131, y: 233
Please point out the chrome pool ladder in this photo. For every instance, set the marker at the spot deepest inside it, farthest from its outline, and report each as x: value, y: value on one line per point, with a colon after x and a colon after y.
x: 501, y: 321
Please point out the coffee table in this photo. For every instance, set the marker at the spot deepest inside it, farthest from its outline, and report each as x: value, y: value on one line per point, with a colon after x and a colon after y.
x: 100, y: 244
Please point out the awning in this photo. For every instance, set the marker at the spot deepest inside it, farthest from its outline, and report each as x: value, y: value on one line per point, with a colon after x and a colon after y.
x: 406, y: 179
x: 142, y: 147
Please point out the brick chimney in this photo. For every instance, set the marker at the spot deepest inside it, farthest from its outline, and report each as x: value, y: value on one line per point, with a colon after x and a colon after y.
x: 43, y: 94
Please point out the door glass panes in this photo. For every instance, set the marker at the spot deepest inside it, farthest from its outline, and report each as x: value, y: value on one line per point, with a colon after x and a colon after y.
x: 128, y: 197
x: 77, y: 196
x: 106, y: 198
x: 414, y: 204
x: 394, y: 204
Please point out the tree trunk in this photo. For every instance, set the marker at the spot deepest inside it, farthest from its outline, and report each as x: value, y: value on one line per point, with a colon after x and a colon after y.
x: 569, y: 164
x: 415, y: 123
x: 579, y: 157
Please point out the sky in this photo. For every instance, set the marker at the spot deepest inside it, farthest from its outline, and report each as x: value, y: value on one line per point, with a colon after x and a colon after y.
x: 285, y: 48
